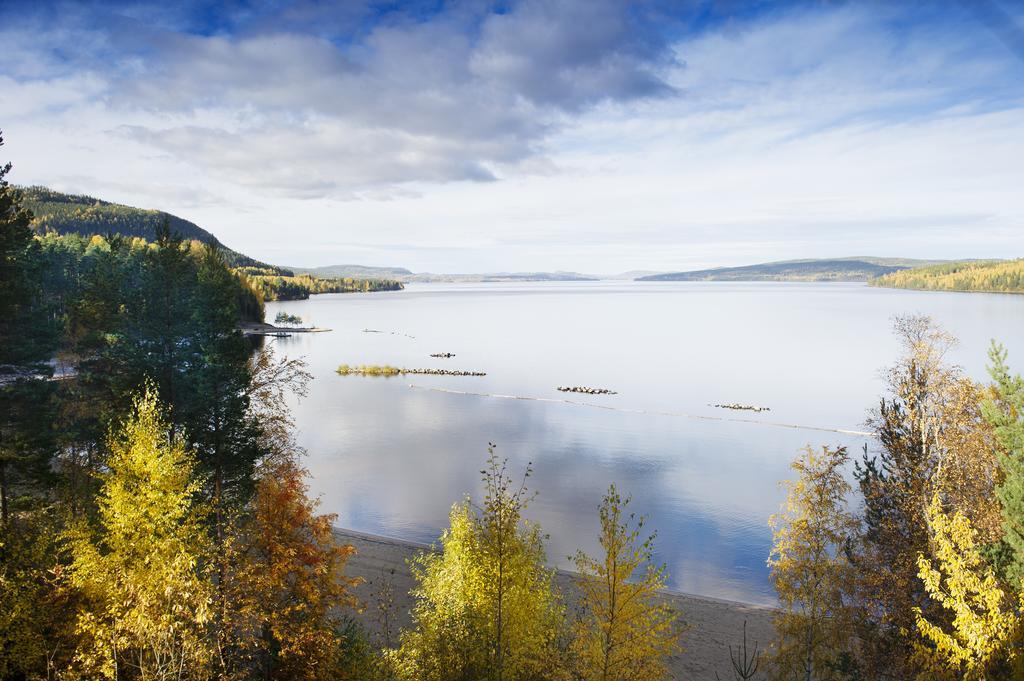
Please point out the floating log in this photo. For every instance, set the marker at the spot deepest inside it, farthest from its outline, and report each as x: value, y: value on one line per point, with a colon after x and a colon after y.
x: 390, y: 333
x: 443, y: 372
x: 741, y: 407
x: 585, y: 390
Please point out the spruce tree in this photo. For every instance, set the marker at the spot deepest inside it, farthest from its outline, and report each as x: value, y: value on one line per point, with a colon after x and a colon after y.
x: 16, y: 290
x: 1006, y: 414
x: 25, y: 442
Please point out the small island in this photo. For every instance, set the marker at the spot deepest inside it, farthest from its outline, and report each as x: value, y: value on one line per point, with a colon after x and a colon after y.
x: 388, y: 370
x: 266, y: 329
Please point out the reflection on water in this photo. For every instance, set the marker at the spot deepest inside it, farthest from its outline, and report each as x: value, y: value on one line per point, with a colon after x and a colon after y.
x: 391, y: 459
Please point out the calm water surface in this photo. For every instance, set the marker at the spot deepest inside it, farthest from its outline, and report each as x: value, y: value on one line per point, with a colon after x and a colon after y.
x: 390, y: 456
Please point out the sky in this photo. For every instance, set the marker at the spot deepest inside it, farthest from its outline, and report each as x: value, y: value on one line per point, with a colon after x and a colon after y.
x: 596, y: 136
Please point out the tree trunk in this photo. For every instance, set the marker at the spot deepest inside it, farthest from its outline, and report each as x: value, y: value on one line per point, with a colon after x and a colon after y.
x: 3, y: 491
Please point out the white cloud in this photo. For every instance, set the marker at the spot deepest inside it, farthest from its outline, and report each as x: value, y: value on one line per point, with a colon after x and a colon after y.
x: 523, y: 144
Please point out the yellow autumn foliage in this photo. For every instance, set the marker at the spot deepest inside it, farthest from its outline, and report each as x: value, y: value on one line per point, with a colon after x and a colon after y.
x: 626, y: 632
x: 983, y: 617
x: 998, y: 276
x: 486, y: 605
x: 147, y: 602
x: 810, y: 570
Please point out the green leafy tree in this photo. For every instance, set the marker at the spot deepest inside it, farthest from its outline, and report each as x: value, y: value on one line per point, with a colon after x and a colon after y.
x: 162, y: 344
x: 225, y: 437
x: 486, y: 605
x: 810, y: 570
x: 626, y: 632
x: 285, y: 318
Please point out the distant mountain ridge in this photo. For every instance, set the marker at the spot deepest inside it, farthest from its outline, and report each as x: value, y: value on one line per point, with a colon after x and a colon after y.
x: 427, y: 277
x: 356, y: 271
x: 857, y: 268
x: 85, y: 215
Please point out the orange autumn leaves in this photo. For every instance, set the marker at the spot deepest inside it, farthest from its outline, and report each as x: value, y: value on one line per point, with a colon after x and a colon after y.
x: 161, y: 602
x: 288, y: 586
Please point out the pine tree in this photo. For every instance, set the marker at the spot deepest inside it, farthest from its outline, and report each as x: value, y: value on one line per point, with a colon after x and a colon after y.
x: 140, y: 571
x: 626, y: 632
x: 20, y: 330
x: 810, y: 569
x: 25, y: 445
x: 932, y: 439
x: 217, y: 412
x: 1006, y: 414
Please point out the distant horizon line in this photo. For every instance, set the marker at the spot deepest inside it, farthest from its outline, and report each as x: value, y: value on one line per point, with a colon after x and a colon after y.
x: 646, y: 270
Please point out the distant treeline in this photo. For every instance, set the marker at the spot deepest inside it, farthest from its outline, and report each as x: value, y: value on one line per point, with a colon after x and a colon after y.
x: 275, y: 286
x: 995, y: 276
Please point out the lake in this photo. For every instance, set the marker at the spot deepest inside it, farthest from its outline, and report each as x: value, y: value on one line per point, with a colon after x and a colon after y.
x: 391, y: 455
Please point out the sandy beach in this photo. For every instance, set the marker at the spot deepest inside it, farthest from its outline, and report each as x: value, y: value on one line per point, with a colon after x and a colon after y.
x: 712, y: 625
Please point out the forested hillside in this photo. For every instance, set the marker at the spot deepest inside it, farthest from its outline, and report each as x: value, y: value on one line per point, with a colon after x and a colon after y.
x: 70, y: 214
x: 75, y: 214
x: 994, y: 276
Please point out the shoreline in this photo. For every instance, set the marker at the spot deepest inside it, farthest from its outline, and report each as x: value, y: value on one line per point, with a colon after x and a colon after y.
x: 711, y: 624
